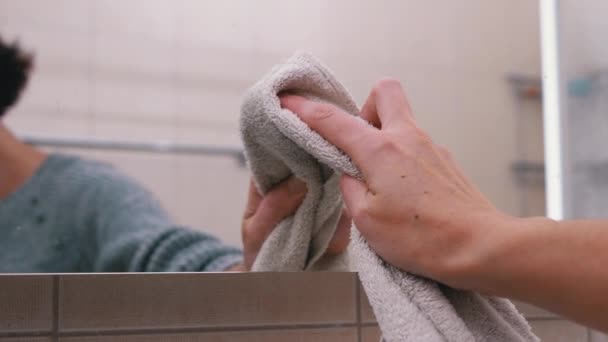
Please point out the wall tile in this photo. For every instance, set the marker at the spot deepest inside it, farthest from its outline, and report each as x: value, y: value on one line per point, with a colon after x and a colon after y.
x: 48, y: 126
x: 53, y: 56
x: 531, y: 120
x: 295, y: 335
x: 64, y: 96
x: 60, y: 15
x: 209, y: 132
x: 26, y: 302
x: 196, y: 300
x: 212, y: 192
x: 531, y: 311
x: 59, y: 85
x: 115, y: 100
x: 293, y: 33
x: 133, y: 129
x: 370, y: 334
x: 367, y: 313
x: 211, y: 105
x: 343, y: 22
x: 536, y: 201
x: 226, y: 24
x: 205, y: 66
x: 597, y: 336
x: 133, y: 76
x: 147, y: 19
x: 559, y: 331
x: 133, y: 59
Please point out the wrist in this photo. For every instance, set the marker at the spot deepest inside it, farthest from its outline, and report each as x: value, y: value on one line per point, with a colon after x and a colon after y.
x: 492, y: 239
x: 503, y: 254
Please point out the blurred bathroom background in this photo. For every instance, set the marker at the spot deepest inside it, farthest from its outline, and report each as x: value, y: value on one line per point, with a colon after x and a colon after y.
x: 175, y: 70
x: 162, y: 72
x: 583, y: 55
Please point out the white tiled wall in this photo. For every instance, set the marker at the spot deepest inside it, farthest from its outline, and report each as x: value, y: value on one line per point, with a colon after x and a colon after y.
x: 294, y: 306
x: 168, y: 69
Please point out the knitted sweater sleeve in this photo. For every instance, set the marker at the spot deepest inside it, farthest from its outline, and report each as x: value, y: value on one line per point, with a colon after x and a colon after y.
x: 128, y: 231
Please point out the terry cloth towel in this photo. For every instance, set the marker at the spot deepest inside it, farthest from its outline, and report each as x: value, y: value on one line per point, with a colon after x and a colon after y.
x: 277, y: 145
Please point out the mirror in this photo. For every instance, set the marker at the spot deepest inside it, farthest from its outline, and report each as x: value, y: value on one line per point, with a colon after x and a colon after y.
x: 137, y: 105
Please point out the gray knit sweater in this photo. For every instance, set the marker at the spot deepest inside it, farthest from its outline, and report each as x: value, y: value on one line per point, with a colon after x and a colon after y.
x: 77, y: 215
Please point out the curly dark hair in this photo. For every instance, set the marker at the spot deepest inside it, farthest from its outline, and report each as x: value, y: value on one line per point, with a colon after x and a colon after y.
x: 15, y: 67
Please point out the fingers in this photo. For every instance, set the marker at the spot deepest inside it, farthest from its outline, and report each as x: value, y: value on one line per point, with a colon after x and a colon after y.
x: 354, y: 193
x: 387, y: 106
x: 332, y: 123
x: 369, y: 112
x: 253, y: 200
x: 341, y: 237
x: 279, y: 203
x: 453, y: 165
x: 264, y: 213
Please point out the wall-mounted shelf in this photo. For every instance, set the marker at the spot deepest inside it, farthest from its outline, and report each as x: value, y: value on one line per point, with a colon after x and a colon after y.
x: 526, y: 86
x: 528, y: 173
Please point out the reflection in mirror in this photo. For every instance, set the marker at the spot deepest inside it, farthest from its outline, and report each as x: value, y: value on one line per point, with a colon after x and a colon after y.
x: 119, y: 137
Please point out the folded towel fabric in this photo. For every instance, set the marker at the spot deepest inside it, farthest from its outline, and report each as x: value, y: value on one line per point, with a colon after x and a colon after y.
x: 277, y: 145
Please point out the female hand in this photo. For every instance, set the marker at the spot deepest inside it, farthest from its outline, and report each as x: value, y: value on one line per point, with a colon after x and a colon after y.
x: 414, y: 206
x: 263, y: 213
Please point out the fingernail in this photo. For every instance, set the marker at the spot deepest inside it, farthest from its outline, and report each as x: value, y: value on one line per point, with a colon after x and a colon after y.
x: 285, y: 99
x: 296, y: 186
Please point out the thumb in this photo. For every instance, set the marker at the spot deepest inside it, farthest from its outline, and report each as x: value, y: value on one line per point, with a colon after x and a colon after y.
x: 253, y: 200
x: 279, y: 203
x: 354, y: 193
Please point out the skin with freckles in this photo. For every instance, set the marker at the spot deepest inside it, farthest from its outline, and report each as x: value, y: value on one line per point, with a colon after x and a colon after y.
x: 420, y: 213
x: 395, y: 158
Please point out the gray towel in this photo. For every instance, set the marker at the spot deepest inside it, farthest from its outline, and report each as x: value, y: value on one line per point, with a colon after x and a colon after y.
x: 278, y: 144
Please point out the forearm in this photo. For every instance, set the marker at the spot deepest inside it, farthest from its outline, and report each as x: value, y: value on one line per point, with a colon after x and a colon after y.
x: 170, y: 249
x: 560, y: 266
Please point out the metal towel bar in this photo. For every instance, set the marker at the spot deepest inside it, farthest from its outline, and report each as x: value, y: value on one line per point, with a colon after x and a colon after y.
x: 158, y: 146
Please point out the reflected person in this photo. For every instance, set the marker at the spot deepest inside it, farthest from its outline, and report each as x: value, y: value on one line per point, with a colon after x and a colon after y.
x: 61, y: 213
